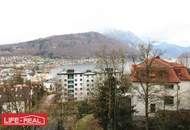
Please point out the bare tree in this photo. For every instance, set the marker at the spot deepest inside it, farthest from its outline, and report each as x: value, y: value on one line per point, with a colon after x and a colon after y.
x: 112, y: 88
x: 148, y: 77
x: 16, y: 94
x: 184, y: 59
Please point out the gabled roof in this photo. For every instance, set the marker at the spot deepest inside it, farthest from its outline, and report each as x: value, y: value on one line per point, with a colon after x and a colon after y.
x: 175, y: 72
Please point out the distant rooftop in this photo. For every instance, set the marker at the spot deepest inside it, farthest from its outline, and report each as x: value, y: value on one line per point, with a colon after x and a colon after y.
x: 72, y: 71
x: 174, y: 72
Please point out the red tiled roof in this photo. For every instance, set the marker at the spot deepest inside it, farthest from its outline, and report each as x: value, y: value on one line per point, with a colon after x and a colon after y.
x: 174, y: 72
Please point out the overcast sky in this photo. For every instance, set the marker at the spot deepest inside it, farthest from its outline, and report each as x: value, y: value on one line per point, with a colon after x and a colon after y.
x: 22, y: 20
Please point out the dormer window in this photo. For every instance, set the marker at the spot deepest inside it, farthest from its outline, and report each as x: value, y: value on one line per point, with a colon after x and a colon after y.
x: 178, y: 72
x: 153, y: 76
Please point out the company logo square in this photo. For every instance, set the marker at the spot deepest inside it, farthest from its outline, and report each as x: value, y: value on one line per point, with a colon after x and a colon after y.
x: 24, y: 119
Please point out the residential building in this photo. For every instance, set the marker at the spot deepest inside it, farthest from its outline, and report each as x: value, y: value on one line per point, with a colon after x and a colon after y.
x: 170, y: 86
x: 76, y: 85
x: 15, y: 98
x: 49, y: 86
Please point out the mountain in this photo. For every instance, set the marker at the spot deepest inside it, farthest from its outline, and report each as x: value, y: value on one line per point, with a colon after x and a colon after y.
x: 81, y: 45
x: 125, y: 37
x: 70, y: 45
x: 170, y: 50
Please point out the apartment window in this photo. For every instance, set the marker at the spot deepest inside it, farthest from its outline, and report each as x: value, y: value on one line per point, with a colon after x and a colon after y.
x: 87, y: 89
x: 80, y: 84
x: 70, y: 82
x: 169, y: 100
x: 75, y: 93
x: 70, y: 86
x: 75, y: 79
x: 92, y: 80
x: 65, y: 84
x: 70, y: 76
x: 71, y: 95
x: 75, y: 84
x: 170, y: 86
x: 153, y: 108
x: 65, y: 79
x: 87, y: 80
x: 80, y: 88
x: 80, y: 75
x: 80, y: 79
x: 87, y: 85
x: 76, y: 89
x: 70, y: 91
x: 87, y: 93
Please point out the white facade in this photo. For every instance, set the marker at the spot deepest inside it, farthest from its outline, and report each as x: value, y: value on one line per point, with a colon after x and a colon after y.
x: 76, y: 85
x: 15, y: 99
x: 14, y: 107
x: 179, y: 94
x: 184, y: 95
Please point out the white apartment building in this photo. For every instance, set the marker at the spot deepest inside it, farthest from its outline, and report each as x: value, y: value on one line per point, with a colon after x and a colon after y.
x: 76, y: 85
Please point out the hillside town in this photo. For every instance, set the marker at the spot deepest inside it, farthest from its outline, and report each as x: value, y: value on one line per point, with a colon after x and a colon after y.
x: 145, y: 89
x: 94, y: 65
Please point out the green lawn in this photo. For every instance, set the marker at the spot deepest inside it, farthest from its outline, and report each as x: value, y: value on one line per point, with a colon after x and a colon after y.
x: 87, y: 123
